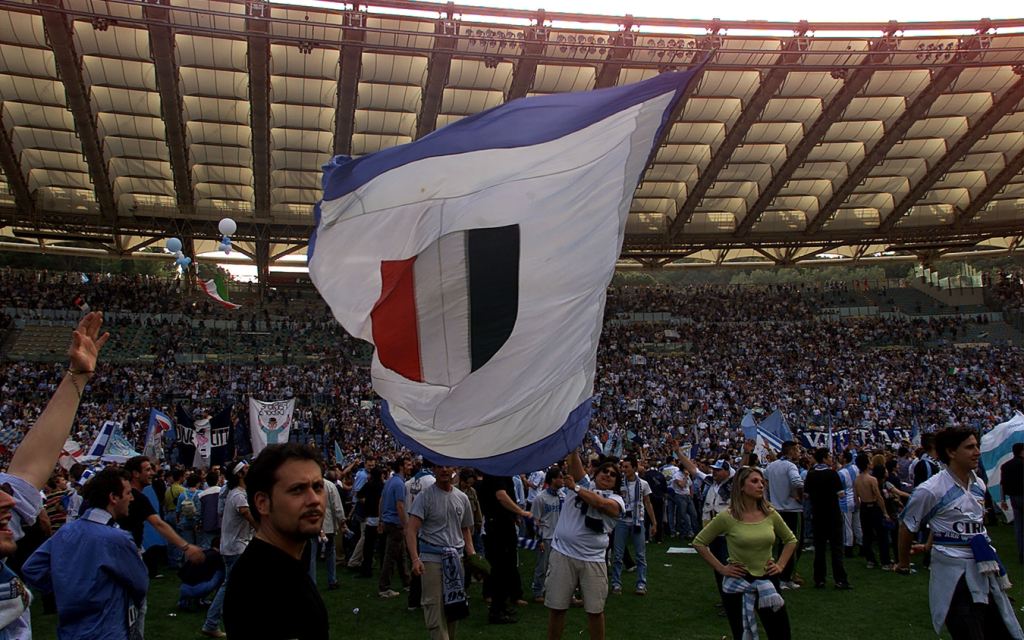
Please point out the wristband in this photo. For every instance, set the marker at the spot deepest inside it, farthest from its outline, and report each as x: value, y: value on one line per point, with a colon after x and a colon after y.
x: 416, y: 560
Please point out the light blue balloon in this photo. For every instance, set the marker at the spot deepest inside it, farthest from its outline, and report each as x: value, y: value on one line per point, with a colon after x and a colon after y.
x: 173, y: 245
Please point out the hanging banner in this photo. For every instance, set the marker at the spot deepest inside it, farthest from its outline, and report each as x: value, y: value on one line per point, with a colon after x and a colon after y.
x: 269, y: 422
x: 159, y: 424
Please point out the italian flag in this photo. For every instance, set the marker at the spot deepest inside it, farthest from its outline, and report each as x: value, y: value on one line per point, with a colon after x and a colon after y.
x: 218, y: 291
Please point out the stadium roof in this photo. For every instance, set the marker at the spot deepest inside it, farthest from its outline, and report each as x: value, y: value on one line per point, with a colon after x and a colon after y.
x: 127, y: 122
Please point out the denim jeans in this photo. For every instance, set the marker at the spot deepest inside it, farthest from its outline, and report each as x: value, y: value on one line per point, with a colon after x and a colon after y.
x: 213, y: 616
x: 198, y: 591
x: 686, y: 515
x: 174, y: 554
x: 187, y: 531
x: 623, y: 530
x: 331, y: 557
x: 540, y: 572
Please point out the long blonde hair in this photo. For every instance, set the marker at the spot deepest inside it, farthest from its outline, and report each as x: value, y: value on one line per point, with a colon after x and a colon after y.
x: 736, y: 505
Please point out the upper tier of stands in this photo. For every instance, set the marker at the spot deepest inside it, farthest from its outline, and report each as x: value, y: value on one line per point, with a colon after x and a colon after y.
x: 151, y: 319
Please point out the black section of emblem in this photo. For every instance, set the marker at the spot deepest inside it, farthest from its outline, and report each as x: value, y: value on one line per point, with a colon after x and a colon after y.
x: 492, y: 257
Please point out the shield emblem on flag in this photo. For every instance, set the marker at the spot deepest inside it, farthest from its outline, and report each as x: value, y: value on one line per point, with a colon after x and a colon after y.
x: 445, y: 312
x: 476, y: 260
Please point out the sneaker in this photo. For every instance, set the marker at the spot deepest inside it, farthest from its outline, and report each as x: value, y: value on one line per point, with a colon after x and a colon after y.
x: 872, y: 565
x: 631, y: 570
x: 843, y: 586
x: 501, y: 619
x: 412, y: 609
x: 389, y: 593
x: 213, y: 633
x: 641, y: 591
x: 521, y: 603
x: 888, y: 567
x: 617, y: 591
x: 576, y: 603
x: 538, y: 599
x: 819, y: 585
x: 789, y: 585
x: 797, y: 579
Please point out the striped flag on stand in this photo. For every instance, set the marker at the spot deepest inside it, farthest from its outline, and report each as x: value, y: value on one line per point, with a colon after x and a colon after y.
x: 217, y: 290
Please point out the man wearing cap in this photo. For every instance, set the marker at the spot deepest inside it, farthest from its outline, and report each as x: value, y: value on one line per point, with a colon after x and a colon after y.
x: 717, y: 492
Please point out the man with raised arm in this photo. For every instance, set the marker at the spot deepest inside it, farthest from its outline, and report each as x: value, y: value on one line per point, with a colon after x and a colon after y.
x: 33, y: 462
x: 591, y: 509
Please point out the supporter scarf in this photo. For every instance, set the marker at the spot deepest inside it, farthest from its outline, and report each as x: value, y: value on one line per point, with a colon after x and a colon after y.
x: 988, y: 562
x: 14, y: 597
x: 456, y: 607
x: 761, y: 592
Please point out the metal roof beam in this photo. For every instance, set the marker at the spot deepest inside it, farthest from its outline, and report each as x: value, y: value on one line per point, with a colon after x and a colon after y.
x: 161, y: 44
x: 770, y: 85
x: 941, y: 81
x: 440, y: 65
x: 621, y: 47
x: 855, y: 82
x: 525, y: 70
x: 69, y: 68
x: 348, y: 82
x: 259, y: 98
x: 16, y: 181
x: 1009, y: 172
x: 1003, y: 106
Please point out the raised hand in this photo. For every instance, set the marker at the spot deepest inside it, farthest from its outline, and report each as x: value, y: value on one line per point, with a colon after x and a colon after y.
x: 86, y: 343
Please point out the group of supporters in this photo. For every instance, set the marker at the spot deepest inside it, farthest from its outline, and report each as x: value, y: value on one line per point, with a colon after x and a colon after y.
x: 247, y: 536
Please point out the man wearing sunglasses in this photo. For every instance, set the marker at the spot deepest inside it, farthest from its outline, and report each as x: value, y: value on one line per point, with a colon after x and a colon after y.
x: 578, y: 548
x: 32, y: 464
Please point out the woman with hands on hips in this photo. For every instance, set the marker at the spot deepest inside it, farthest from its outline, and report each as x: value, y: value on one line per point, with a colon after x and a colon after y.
x: 751, y: 584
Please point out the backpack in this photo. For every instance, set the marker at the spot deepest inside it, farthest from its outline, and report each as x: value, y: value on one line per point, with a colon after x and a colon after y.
x: 188, y: 506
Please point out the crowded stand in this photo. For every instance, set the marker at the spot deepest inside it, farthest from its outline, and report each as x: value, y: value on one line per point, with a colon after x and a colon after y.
x: 669, y: 400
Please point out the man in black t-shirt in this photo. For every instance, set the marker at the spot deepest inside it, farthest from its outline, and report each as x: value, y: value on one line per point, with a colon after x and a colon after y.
x: 269, y: 593
x: 140, y: 511
x: 501, y: 512
x: 823, y: 488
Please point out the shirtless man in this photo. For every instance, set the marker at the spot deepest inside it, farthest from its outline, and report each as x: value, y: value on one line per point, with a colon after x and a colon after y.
x: 869, y: 501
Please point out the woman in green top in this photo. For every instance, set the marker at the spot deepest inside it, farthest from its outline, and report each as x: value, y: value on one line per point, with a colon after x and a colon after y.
x: 750, y: 526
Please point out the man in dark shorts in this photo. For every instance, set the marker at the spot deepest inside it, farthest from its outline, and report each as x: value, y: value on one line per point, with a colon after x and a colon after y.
x: 269, y: 593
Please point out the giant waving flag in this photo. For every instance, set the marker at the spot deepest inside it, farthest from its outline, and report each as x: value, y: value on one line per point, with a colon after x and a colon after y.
x: 476, y: 261
x: 997, y: 449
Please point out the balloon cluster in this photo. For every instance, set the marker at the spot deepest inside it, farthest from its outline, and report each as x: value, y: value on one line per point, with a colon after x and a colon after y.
x: 227, y: 227
x: 174, y: 246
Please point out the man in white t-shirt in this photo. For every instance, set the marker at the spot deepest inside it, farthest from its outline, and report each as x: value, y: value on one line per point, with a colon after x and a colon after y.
x: 635, y: 493
x: 668, y: 470
x: 967, y: 583
x: 579, y: 545
x: 681, y: 489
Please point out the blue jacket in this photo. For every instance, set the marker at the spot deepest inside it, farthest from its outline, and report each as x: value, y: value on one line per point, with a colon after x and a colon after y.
x: 96, y: 575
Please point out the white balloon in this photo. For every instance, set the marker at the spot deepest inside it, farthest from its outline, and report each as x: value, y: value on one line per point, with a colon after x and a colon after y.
x: 227, y: 226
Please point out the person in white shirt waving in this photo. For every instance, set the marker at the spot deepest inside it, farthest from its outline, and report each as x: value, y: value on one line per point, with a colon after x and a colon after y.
x: 967, y: 585
x: 578, y: 547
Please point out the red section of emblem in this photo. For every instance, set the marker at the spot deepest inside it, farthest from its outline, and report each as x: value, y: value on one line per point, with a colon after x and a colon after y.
x: 395, y: 331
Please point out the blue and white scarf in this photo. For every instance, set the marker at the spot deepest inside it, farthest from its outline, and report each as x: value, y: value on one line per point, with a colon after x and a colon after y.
x: 758, y: 594
x: 453, y: 580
